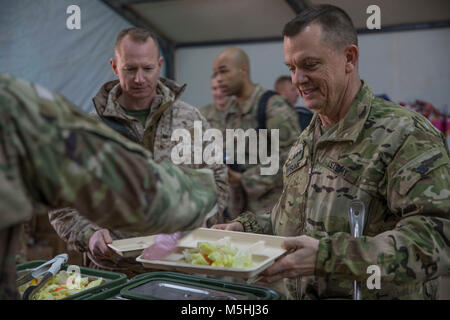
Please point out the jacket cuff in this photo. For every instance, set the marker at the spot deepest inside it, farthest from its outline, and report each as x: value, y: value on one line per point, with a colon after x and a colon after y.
x: 84, y: 237
x: 249, y: 223
x: 324, y: 261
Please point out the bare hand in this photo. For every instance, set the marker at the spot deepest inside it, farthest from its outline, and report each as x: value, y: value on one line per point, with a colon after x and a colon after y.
x: 233, y: 226
x: 301, y: 262
x: 98, y: 244
x: 234, y: 177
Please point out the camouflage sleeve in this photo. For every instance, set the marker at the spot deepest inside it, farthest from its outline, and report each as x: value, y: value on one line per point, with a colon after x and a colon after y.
x: 76, y: 230
x: 62, y: 158
x: 255, y: 223
x: 284, y: 118
x: 417, y: 189
x: 73, y: 228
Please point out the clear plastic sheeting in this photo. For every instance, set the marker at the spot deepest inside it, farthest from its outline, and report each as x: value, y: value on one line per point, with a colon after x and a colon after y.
x: 36, y: 44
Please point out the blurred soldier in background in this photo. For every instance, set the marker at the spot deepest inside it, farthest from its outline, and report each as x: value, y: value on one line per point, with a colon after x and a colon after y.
x: 284, y: 87
x: 215, y: 112
x: 251, y: 190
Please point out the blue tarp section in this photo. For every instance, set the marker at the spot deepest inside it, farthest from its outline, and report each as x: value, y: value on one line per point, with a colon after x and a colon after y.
x: 36, y: 44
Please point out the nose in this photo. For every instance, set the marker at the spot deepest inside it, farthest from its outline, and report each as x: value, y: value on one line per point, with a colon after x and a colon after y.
x: 138, y: 78
x: 298, y: 77
x: 219, y: 78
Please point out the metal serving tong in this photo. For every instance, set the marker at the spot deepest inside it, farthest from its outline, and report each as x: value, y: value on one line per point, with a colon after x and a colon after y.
x: 47, y: 270
x: 357, y: 217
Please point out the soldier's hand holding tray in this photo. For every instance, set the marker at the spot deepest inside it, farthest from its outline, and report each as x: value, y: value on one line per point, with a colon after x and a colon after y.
x: 98, y: 244
x: 232, y: 226
x: 300, y: 261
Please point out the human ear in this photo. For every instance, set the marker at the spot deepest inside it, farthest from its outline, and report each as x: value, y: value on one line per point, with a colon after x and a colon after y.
x: 113, y: 64
x: 351, y: 58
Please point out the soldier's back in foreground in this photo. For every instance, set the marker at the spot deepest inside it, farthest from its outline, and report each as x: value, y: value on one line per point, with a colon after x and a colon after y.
x: 52, y: 155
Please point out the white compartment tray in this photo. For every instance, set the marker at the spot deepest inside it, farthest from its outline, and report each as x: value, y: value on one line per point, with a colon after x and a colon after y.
x: 131, y: 247
x: 263, y: 255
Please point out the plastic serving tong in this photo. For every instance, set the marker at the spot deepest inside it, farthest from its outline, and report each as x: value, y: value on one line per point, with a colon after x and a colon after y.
x: 47, y: 270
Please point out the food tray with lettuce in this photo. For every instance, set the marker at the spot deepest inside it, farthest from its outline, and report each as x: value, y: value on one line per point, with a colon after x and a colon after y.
x: 222, y: 253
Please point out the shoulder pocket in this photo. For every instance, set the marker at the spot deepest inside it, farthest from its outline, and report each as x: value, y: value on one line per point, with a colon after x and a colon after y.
x: 418, y: 169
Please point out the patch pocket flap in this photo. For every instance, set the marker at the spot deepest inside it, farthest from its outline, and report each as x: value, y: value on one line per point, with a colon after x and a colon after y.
x: 296, y: 159
x: 418, y: 169
x: 342, y: 170
x: 294, y: 165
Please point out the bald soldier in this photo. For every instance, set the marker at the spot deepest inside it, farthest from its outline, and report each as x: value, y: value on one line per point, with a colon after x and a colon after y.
x: 358, y: 147
x: 147, y: 109
x: 251, y: 190
x: 52, y: 155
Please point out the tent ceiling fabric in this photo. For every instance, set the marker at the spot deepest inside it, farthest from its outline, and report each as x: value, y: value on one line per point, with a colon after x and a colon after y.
x: 394, y: 13
x: 213, y: 20
x: 198, y: 21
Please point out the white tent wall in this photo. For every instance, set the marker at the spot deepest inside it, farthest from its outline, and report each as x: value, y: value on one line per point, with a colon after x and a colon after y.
x: 405, y: 65
x: 36, y: 45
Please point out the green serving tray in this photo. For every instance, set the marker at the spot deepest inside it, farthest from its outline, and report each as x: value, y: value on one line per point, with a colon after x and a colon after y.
x: 112, y: 279
x: 128, y: 290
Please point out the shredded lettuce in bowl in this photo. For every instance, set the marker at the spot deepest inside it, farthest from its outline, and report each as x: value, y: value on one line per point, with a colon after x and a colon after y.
x: 61, y: 285
x: 218, y: 254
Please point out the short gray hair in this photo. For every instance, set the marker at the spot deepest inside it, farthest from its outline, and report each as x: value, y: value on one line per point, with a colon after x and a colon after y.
x: 337, y: 25
x: 137, y: 35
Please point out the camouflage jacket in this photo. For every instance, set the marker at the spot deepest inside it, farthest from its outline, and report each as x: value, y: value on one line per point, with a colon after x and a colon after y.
x: 52, y: 155
x: 75, y: 229
x: 178, y: 115
x: 397, y: 163
x: 215, y: 117
x: 262, y: 191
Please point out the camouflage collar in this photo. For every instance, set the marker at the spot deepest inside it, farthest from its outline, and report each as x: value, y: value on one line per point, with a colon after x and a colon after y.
x: 170, y: 88
x: 106, y: 99
x: 248, y: 104
x: 214, y: 111
x: 350, y: 127
x: 112, y: 107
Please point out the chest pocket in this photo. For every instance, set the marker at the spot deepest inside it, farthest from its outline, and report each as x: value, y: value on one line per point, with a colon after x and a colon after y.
x: 336, y: 184
x: 288, y: 215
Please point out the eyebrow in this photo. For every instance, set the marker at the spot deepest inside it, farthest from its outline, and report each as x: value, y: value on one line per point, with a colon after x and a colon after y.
x: 134, y: 66
x: 310, y: 58
x: 303, y: 60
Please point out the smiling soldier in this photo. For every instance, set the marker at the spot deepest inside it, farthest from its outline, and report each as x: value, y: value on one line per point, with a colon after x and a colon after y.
x: 360, y: 147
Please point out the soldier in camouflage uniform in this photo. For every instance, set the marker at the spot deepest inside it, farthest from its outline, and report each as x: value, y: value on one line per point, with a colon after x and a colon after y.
x: 52, y: 155
x: 215, y: 112
x: 149, y: 123
x: 251, y: 190
x: 285, y: 88
x: 357, y: 147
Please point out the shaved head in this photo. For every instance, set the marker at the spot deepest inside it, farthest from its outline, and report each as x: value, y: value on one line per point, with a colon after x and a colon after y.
x: 232, y: 70
x: 236, y: 56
